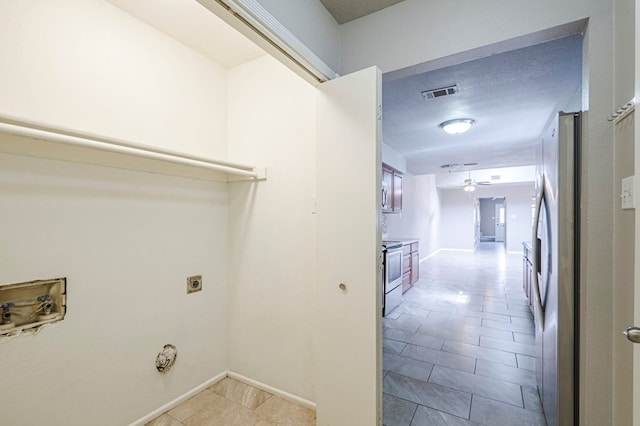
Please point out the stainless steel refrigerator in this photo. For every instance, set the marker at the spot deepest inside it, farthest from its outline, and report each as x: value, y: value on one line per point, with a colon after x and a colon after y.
x: 556, y: 273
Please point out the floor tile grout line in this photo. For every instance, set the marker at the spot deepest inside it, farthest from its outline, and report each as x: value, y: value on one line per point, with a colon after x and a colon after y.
x: 504, y: 293
x: 414, y: 413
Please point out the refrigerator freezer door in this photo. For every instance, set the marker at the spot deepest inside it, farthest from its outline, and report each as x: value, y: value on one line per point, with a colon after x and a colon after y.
x: 555, y: 280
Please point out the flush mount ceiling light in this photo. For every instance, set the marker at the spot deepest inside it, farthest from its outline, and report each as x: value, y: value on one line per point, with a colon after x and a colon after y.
x: 457, y: 126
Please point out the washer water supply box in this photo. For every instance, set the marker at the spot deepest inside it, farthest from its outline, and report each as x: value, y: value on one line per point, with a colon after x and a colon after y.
x: 32, y: 304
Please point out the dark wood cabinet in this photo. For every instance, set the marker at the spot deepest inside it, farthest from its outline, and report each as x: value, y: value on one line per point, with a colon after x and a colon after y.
x: 410, y: 265
x: 391, y: 190
x: 387, y: 189
x: 397, y: 192
x: 415, y: 263
x: 406, y: 267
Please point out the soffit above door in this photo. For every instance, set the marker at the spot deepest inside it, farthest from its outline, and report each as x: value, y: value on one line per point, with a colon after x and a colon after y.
x: 345, y: 11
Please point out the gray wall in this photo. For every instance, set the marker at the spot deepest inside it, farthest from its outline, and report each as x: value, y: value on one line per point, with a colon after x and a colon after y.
x: 457, y: 215
x: 420, y: 217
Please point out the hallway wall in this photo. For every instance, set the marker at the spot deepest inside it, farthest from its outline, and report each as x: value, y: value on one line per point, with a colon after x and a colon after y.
x: 457, y: 215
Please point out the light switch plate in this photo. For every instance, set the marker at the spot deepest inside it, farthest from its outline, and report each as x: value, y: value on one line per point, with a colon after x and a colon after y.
x: 628, y: 199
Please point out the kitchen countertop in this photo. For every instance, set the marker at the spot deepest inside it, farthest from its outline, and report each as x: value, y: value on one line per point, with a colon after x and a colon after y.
x: 404, y: 241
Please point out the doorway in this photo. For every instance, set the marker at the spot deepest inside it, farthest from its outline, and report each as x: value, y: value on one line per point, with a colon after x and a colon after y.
x: 492, y: 217
x: 470, y: 290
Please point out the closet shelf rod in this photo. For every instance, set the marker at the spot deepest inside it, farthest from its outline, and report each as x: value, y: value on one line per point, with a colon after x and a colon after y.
x: 36, y: 131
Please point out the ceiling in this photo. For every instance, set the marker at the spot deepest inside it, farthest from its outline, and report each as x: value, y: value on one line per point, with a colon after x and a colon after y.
x: 195, y: 26
x: 345, y: 11
x: 511, y: 96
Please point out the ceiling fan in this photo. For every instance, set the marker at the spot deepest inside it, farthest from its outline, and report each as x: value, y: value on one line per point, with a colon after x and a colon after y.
x: 469, y: 184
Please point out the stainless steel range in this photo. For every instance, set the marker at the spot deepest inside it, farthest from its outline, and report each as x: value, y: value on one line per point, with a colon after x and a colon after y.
x: 392, y: 265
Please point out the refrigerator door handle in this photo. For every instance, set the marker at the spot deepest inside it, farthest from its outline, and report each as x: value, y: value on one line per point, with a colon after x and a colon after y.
x: 537, y: 257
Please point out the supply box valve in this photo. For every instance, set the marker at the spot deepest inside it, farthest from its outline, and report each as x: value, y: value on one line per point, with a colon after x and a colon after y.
x: 29, y: 305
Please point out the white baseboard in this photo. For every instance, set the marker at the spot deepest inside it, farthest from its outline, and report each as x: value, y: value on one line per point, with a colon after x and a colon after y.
x: 172, y: 404
x: 430, y: 255
x: 282, y: 394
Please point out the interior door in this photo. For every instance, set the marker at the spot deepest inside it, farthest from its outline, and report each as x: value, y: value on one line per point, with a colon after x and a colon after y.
x: 636, y: 298
x: 349, y: 286
x: 500, y: 221
x: 476, y: 222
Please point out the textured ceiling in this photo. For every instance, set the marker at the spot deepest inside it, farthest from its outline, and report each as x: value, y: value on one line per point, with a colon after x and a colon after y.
x: 511, y: 96
x: 348, y: 10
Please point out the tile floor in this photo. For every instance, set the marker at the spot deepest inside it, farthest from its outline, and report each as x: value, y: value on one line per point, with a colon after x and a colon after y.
x: 232, y: 403
x: 459, y: 349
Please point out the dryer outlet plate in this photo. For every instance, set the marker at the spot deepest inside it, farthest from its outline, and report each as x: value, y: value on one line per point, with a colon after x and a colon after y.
x: 194, y: 283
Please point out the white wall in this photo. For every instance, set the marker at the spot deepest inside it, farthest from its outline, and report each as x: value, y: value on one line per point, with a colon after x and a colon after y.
x: 126, y: 241
x: 624, y: 227
x: 397, y: 37
x: 456, y: 224
x: 457, y: 215
x: 421, y: 213
x: 312, y: 24
x: 89, y: 66
x: 393, y: 158
x: 271, y: 227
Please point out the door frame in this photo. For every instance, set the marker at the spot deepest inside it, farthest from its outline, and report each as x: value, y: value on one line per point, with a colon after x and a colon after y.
x: 498, y: 206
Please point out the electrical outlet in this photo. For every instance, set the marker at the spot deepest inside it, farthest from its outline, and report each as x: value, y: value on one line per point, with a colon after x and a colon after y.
x: 194, y: 283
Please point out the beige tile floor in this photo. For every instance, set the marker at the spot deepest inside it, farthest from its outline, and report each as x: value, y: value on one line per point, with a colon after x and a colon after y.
x: 230, y: 402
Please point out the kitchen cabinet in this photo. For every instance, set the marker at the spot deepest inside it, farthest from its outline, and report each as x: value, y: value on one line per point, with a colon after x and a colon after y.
x: 397, y: 192
x: 415, y: 263
x: 391, y: 189
x: 387, y: 189
x: 527, y: 273
x: 410, y: 264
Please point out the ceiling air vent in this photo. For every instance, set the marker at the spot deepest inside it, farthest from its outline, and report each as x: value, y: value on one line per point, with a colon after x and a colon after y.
x: 455, y: 166
x: 443, y: 91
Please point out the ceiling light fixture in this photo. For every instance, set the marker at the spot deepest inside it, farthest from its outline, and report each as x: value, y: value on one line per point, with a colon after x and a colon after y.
x: 457, y: 126
x: 469, y: 188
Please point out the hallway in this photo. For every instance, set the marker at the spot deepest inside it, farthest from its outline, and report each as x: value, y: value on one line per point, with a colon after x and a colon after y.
x: 460, y: 349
